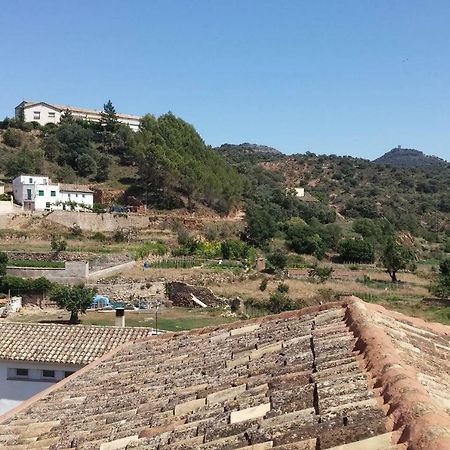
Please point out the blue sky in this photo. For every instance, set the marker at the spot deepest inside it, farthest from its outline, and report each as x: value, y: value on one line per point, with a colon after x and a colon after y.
x: 346, y: 77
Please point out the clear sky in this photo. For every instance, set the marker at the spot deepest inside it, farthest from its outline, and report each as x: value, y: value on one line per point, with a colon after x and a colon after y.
x: 337, y: 76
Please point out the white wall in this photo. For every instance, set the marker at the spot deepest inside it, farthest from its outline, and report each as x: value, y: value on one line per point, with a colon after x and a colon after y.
x: 85, y: 198
x: 46, y: 114
x: 13, y: 391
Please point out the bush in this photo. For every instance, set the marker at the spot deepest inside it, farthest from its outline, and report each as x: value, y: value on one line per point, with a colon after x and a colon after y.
x: 356, y: 251
x: 119, y: 236
x: 279, y: 302
x: 278, y: 260
x: 151, y: 248
x: 263, y: 285
x: 3, y: 263
x: 76, y: 231
x: 234, y: 249
x: 13, y: 137
x: 322, y: 274
x: 283, y: 288
x: 17, y: 285
x: 100, y: 237
x: 58, y: 244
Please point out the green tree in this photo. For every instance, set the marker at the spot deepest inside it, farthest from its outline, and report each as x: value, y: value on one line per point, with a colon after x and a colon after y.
x: 278, y: 260
x: 3, y: 263
x: 322, y: 274
x: 356, y: 251
x: 58, y: 244
x: 280, y: 301
x: 75, y: 299
x: 66, y: 117
x: 109, y: 117
x: 441, y: 288
x: 13, y: 137
x: 396, y: 257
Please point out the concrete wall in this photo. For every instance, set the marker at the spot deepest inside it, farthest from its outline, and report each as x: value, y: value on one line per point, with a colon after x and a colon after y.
x: 6, y: 207
x: 74, y: 272
x: 15, y: 391
x: 110, y: 271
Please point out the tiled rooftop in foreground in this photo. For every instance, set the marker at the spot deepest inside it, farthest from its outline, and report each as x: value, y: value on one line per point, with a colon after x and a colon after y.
x: 345, y: 376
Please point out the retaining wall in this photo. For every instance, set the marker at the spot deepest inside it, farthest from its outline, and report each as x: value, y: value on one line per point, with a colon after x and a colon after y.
x: 74, y: 272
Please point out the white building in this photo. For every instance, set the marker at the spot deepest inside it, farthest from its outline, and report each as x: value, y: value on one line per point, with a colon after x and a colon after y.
x: 38, y: 193
x: 43, y: 113
x: 33, y: 356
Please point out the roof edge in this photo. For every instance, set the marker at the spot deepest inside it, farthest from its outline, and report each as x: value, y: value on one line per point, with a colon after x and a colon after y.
x: 422, y: 423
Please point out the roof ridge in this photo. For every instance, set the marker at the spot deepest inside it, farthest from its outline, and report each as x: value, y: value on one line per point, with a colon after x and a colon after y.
x: 80, y: 325
x: 423, y: 424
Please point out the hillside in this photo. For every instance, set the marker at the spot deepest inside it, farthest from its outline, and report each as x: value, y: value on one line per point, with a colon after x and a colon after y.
x: 248, y: 152
x: 165, y: 164
x: 406, y: 157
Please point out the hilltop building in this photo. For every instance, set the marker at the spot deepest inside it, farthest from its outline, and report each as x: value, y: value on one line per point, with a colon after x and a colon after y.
x: 43, y: 113
x: 38, y: 193
x: 344, y: 375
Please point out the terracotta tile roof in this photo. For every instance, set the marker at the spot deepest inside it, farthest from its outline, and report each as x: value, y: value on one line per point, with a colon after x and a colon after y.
x: 321, y: 378
x: 74, y: 188
x: 77, y: 344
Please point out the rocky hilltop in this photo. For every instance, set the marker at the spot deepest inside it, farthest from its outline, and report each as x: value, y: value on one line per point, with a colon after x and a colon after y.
x: 408, y: 157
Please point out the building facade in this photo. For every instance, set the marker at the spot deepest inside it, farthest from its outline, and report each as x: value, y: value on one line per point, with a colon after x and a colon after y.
x: 38, y: 193
x: 43, y: 113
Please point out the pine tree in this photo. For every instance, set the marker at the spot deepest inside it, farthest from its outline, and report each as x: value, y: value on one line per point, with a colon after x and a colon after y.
x: 109, y: 116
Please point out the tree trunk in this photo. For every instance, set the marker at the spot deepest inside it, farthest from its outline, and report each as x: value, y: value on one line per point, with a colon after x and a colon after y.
x: 74, y: 317
x: 393, y: 275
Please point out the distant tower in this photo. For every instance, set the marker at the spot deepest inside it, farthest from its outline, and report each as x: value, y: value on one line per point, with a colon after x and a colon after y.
x: 399, y: 147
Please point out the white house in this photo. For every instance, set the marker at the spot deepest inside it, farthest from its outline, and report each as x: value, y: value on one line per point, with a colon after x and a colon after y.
x: 43, y: 113
x: 33, y: 356
x: 38, y: 193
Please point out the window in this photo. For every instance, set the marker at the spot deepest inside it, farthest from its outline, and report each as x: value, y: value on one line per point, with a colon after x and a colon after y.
x: 52, y: 193
x: 28, y: 194
x: 30, y: 180
x: 36, y: 115
x: 47, y: 205
x: 21, y: 372
x: 51, y: 114
x: 41, y: 193
x: 69, y: 195
x: 76, y: 195
x: 83, y: 195
x: 67, y: 373
x: 48, y: 374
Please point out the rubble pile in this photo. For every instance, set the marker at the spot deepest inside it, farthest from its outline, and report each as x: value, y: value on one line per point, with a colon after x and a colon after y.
x: 180, y: 294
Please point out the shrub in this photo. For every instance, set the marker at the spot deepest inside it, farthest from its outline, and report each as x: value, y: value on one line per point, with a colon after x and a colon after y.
x: 283, y: 288
x: 279, y: 302
x: 58, y: 244
x: 119, y: 236
x: 3, y: 263
x: 263, y: 285
x: 356, y: 251
x: 76, y: 231
x: 13, y: 137
x: 322, y: 274
x: 151, y: 248
x: 234, y: 249
x: 278, y: 260
x: 100, y: 237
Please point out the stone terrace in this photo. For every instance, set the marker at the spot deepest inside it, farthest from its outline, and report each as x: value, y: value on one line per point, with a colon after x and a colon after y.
x: 294, y: 381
